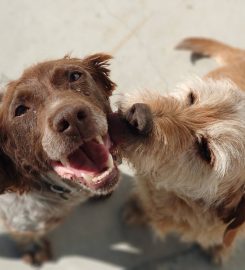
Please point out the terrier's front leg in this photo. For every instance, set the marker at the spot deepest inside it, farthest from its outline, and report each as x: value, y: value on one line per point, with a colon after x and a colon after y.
x: 133, y: 211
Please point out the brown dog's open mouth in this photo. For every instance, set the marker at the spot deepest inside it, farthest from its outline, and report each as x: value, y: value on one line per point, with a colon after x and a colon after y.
x: 90, y: 165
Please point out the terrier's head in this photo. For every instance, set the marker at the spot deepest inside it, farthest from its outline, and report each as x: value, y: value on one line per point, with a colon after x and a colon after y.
x: 190, y: 142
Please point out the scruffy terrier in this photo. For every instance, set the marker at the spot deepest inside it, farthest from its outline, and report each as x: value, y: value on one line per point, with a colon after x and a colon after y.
x: 188, y: 149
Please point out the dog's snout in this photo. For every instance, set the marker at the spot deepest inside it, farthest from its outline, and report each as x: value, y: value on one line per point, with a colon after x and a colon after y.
x: 140, y: 118
x: 72, y: 120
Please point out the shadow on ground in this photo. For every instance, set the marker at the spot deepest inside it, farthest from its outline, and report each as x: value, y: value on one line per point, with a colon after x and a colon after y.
x: 95, y: 231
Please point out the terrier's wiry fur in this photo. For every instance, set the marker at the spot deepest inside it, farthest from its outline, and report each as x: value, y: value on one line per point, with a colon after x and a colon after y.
x: 190, y: 164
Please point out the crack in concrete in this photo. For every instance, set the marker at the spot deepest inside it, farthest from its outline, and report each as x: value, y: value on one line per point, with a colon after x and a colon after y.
x: 133, y: 32
x: 129, y: 35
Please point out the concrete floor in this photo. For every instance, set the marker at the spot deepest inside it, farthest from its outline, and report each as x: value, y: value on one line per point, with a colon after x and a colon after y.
x: 141, y: 35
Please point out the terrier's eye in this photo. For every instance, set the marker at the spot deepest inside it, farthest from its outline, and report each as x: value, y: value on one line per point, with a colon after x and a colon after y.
x: 203, y: 150
x: 74, y: 76
x: 21, y: 109
x: 191, y: 98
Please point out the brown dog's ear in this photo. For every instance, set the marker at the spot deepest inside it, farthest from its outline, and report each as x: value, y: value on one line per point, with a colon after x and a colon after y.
x: 97, y: 65
x: 8, y: 177
x: 233, y: 216
x: 2, y: 92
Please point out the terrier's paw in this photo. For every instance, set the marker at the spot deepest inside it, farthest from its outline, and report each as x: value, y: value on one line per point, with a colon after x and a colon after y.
x: 220, y: 254
x: 139, y: 116
x: 133, y: 212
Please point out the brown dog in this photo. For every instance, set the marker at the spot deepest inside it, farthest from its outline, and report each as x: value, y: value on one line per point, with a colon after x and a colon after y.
x: 55, y: 148
x: 188, y: 149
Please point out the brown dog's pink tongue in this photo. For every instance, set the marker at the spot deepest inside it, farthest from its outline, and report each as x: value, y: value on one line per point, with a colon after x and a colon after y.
x: 97, y: 153
x: 91, y: 157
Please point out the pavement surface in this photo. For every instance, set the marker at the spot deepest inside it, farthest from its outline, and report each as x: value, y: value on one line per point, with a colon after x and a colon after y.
x: 141, y: 35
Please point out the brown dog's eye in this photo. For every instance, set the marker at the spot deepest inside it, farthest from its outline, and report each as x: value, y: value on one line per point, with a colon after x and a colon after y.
x: 74, y: 76
x: 204, y: 150
x: 21, y: 109
x: 191, y: 98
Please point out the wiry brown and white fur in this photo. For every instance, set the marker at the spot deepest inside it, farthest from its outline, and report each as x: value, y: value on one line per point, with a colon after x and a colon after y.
x: 190, y: 162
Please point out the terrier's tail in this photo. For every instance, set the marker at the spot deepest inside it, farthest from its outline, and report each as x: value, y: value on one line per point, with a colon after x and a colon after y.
x: 203, y: 47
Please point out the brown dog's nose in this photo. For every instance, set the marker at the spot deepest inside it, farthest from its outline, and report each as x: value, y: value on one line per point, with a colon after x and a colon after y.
x: 72, y: 120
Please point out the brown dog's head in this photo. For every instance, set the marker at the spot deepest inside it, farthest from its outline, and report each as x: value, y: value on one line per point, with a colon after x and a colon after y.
x: 191, y: 142
x: 54, y: 118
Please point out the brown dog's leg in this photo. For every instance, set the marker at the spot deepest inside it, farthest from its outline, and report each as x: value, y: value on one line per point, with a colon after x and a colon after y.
x: 34, y: 251
x: 38, y: 253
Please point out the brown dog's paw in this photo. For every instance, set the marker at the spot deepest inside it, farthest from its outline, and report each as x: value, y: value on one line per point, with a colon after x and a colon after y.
x: 139, y: 117
x: 133, y: 212
x: 37, y: 253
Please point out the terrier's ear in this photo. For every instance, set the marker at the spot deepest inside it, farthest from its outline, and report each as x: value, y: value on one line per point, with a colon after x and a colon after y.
x: 97, y: 66
x: 233, y: 214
